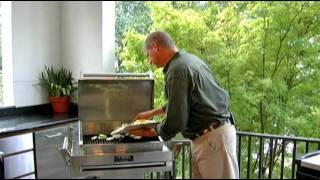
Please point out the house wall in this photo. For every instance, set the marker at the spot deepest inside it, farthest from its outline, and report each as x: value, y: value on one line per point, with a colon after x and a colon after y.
x: 66, y: 33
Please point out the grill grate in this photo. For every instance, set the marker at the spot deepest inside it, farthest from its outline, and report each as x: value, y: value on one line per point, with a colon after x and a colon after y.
x: 99, y: 141
x: 125, y: 139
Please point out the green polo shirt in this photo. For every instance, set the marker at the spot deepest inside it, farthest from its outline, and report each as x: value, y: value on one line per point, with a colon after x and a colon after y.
x: 194, y: 98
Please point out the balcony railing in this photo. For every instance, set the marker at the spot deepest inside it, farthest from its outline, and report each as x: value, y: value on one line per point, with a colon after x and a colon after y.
x: 261, y: 156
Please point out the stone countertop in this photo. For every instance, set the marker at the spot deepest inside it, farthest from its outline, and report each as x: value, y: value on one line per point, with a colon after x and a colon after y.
x: 18, y: 123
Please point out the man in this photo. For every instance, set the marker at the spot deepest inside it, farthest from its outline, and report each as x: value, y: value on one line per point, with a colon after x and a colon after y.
x: 197, y: 107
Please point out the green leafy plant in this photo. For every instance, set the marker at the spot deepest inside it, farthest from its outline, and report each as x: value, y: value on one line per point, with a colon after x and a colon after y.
x: 58, y: 82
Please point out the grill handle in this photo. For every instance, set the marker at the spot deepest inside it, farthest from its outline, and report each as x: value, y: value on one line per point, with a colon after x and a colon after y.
x: 66, y: 150
x: 53, y: 135
x: 121, y: 166
x: 117, y: 75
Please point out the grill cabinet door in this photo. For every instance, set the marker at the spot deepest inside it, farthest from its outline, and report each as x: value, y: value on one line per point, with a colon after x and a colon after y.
x: 50, y: 164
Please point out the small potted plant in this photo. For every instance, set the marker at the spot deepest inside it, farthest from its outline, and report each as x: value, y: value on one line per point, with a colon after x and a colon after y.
x: 60, y: 85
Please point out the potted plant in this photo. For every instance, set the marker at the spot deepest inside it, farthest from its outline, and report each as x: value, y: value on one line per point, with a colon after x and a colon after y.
x: 60, y: 85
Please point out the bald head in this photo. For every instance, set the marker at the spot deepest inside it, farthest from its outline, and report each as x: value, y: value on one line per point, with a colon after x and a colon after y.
x: 163, y: 39
x: 160, y: 48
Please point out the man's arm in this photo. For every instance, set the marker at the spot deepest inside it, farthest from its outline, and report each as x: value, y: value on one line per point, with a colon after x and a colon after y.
x: 177, y: 109
x: 147, y: 132
x: 149, y: 114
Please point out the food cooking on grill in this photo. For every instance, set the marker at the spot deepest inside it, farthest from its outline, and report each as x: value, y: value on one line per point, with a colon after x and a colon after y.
x: 102, y: 136
x: 110, y: 138
x: 117, y: 136
x: 135, y: 137
x: 94, y: 137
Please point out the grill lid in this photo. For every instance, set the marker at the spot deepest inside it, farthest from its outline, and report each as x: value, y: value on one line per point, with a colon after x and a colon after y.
x: 105, y: 101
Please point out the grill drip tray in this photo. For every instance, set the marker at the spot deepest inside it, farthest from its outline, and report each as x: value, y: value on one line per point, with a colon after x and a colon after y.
x: 125, y: 145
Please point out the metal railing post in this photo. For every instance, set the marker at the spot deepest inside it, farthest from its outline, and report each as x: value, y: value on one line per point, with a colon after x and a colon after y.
x: 1, y: 166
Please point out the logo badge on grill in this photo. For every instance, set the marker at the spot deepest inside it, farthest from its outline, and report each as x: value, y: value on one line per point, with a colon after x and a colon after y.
x: 123, y: 158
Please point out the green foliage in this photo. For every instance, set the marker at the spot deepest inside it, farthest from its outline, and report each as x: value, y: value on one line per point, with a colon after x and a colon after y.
x: 130, y: 15
x: 266, y: 54
x: 58, y: 82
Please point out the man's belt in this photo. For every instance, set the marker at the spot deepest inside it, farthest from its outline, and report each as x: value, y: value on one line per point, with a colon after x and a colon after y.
x: 212, y: 126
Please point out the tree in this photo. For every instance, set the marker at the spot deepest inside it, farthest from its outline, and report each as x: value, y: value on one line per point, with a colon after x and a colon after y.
x: 130, y: 14
x: 264, y: 53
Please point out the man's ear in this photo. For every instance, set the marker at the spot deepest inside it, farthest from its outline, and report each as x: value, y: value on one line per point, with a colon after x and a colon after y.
x: 155, y: 46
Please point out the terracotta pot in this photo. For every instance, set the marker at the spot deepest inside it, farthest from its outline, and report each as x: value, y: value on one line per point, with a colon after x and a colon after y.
x: 60, y: 104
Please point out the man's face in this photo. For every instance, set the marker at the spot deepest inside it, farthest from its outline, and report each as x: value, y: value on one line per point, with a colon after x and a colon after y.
x: 153, y: 54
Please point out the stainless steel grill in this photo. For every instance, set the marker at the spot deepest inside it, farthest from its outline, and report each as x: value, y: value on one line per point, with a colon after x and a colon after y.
x: 106, y: 102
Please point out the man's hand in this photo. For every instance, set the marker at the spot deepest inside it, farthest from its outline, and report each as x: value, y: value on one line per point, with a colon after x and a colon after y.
x: 149, y: 114
x: 144, y: 132
x: 144, y: 115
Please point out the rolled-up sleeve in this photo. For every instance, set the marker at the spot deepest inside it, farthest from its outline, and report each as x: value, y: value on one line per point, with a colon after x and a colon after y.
x: 177, y: 108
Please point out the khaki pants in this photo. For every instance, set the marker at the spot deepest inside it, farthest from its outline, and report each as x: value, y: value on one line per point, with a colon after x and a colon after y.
x: 214, y: 154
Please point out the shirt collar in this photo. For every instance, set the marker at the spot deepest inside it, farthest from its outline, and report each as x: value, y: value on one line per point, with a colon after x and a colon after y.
x: 177, y: 54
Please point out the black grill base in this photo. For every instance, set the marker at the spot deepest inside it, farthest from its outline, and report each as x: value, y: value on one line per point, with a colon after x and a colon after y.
x: 306, y: 173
